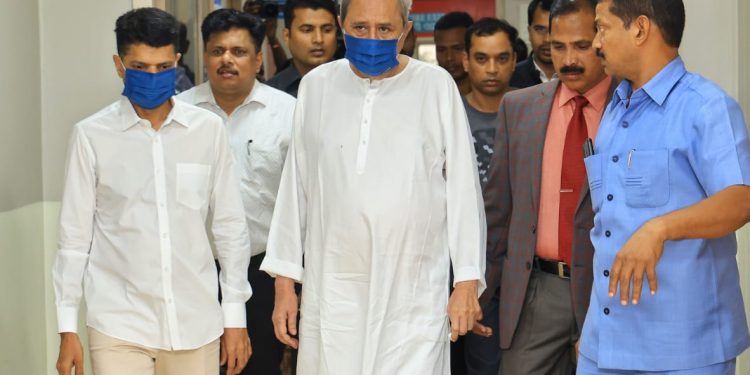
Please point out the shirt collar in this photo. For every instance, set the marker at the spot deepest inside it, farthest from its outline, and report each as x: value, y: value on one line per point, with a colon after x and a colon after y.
x: 259, y: 94
x: 659, y: 86
x: 129, y: 118
x: 542, y: 75
x: 597, y: 95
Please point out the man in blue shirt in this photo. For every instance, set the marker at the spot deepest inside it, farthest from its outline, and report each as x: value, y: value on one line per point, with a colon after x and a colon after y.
x: 669, y: 185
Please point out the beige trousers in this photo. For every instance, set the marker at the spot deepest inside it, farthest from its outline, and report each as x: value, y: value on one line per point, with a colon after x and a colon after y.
x: 110, y: 356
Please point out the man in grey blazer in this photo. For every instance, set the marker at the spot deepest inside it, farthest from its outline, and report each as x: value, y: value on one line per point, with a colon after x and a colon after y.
x: 537, y: 201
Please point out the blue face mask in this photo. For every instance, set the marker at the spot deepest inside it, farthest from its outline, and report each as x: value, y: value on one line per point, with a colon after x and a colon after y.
x: 149, y: 90
x: 372, y: 56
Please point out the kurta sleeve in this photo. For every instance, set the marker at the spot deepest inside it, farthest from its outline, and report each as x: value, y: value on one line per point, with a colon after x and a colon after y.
x: 287, y: 234
x: 76, y: 230
x: 467, y: 228
x: 231, y: 237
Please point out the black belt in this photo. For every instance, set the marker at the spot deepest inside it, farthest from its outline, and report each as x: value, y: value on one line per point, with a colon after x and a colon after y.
x: 559, y: 269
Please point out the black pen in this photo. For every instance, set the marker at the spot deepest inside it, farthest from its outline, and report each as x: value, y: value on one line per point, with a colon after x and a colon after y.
x: 249, y: 142
x: 588, y: 148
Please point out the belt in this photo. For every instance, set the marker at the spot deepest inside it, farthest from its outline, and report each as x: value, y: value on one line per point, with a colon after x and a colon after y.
x: 559, y: 269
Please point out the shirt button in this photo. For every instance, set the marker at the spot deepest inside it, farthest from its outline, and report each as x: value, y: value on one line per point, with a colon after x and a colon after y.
x: 163, y: 235
x: 625, y: 124
x: 528, y: 265
x: 533, y: 229
x: 606, y: 273
x: 610, y: 197
x: 606, y: 311
x: 608, y: 233
x: 615, y: 159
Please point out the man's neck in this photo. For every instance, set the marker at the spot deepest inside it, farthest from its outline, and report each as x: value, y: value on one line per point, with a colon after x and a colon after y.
x: 464, y: 86
x: 302, y: 69
x: 484, y: 103
x: 228, y: 102
x: 155, y: 116
x: 656, y: 63
x: 547, y: 69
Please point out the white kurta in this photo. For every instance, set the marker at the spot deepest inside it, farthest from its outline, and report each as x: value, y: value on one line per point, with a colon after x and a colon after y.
x: 364, y: 196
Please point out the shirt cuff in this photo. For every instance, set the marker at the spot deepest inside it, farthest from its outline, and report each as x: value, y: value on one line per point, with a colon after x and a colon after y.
x: 469, y: 274
x: 234, y: 315
x: 67, y: 319
x: 275, y: 267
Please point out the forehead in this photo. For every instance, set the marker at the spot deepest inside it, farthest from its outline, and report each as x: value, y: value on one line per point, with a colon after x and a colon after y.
x: 576, y: 25
x: 602, y: 9
x: 234, y: 37
x: 374, y: 11
x: 541, y: 16
x: 450, y: 36
x: 304, y: 16
x: 147, y: 54
x: 491, y: 44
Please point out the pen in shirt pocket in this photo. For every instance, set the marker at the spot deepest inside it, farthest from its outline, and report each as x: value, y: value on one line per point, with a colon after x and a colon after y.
x: 630, y: 157
x: 249, y: 142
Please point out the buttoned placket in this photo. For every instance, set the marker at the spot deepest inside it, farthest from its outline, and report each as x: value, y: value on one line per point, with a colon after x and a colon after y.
x: 165, y: 241
x: 364, y: 127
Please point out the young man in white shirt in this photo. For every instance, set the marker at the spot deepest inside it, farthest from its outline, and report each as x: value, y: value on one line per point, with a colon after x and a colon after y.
x: 142, y: 175
x: 258, y: 119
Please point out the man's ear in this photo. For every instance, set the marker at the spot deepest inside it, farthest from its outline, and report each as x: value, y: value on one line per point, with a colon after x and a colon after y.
x: 119, y: 67
x: 258, y: 61
x: 641, y: 29
x: 286, y: 34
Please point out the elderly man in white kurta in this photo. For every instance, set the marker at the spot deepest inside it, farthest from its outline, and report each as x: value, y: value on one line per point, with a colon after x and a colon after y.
x: 379, y: 194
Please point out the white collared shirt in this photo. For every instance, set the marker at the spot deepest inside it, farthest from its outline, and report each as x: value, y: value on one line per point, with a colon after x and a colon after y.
x: 259, y: 131
x: 542, y: 74
x: 132, y: 229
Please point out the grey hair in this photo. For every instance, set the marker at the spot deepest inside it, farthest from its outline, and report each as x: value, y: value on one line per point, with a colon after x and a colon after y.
x: 405, y: 8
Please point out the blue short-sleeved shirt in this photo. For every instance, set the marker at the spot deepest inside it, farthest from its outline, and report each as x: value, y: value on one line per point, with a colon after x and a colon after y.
x: 673, y: 143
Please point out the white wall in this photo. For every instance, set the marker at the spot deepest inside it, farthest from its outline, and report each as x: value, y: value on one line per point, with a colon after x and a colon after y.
x: 22, y: 322
x: 55, y: 69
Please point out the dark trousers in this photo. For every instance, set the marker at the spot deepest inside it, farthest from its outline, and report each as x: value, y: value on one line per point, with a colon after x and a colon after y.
x: 483, y: 353
x: 545, y: 338
x: 267, y: 350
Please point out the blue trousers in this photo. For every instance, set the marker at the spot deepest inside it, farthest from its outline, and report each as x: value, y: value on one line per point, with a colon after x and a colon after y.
x: 482, y: 354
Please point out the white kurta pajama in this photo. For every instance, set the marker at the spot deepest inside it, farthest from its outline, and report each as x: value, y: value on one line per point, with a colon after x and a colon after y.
x: 364, y: 197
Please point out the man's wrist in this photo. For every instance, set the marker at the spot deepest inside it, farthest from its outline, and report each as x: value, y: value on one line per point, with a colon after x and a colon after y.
x: 283, y: 284
x: 659, y: 228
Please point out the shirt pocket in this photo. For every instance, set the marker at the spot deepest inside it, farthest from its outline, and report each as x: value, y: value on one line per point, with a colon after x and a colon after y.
x: 594, y: 176
x: 192, y: 184
x: 265, y: 164
x: 646, y: 179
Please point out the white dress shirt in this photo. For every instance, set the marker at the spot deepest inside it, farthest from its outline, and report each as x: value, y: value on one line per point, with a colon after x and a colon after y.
x: 259, y: 131
x: 132, y: 229
x: 379, y: 194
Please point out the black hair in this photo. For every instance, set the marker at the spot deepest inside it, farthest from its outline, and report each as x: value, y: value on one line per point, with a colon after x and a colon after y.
x: 521, y: 50
x: 545, y: 4
x: 668, y: 15
x: 489, y: 26
x: 150, y: 26
x: 291, y: 5
x: 223, y: 20
x: 565, y: 7
x: 454, y: 20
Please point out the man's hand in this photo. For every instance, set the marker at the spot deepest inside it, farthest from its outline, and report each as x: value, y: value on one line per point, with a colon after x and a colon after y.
x: 285, y: 311
x: 71, y: 354
x: 235, y: 349
x: 463, y: 308
x: 639, y: 255
x: 481, y: 330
